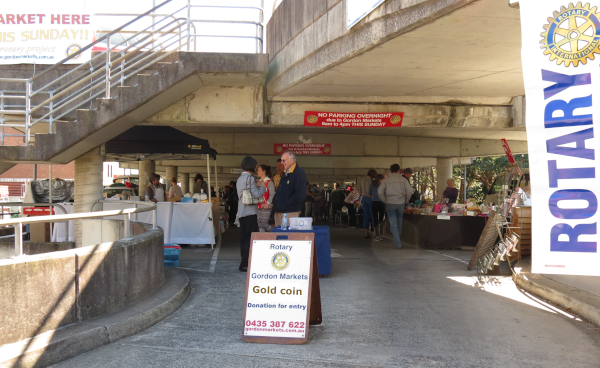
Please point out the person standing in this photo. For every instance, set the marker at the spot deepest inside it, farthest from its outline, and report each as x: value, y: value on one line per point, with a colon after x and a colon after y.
x: 233, y: 202
x: 155, y: 191
x: 451, y: 193
x: 308, y: 202
x: 247, y: 213
x: 175, y: 189
x: 291, y: 192
x: 395, y: 191
x: 199, y: 185
x: 364, y: 185
x: 280, y: 170
x: 264, y: 173
x: 351, y: 200
x: 378, y: 207
x: 337, y: 200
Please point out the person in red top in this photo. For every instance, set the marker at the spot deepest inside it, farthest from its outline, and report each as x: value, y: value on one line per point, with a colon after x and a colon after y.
x: 264, y: 208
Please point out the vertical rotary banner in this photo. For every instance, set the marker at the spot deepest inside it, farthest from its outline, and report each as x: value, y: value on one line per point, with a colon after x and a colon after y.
x: 561, y: 67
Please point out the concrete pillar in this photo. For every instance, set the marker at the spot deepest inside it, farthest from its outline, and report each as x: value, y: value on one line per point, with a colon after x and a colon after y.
x: 88, y: 187
x: 184, y: 179
x: 192, y: 182
x: 171, y: 172
x: 444, y: 172
x: 146, y: 168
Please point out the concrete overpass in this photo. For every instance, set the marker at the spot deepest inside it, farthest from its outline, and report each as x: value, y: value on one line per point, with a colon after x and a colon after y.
x: 438, y: 61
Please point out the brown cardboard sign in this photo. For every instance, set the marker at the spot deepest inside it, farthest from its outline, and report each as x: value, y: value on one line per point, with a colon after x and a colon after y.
x: 282, y: 289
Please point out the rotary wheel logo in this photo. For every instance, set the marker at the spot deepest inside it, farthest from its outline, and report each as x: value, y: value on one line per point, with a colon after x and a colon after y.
x: 326, y: 149
x: 73, y: 49
x: 312, y: 119
x: 280, y: 261
x: 572, y: 35
x: 279, y: 149
x: 395, y: 119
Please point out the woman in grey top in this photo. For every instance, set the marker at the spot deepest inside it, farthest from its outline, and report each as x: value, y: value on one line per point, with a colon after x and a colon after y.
x: 246, y: 215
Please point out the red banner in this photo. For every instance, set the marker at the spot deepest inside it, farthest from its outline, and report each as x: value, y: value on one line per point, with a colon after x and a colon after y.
x: 304, y: 149
x: 508, y: 152
x: 353, y: 120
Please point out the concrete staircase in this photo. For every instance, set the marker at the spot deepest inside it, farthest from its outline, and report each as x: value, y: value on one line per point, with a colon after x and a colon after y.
x: 145, y: 95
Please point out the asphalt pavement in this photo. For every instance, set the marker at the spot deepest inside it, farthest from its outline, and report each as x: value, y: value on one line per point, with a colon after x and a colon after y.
x: 381, y: 308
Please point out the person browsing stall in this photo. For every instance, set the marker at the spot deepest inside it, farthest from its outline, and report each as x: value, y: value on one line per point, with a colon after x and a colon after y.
x: 291, y: 192
x: 155, y: 191
x: 395, y: 191
x: 451, y: 193
x: 247, y: 213
x: 363, y: 186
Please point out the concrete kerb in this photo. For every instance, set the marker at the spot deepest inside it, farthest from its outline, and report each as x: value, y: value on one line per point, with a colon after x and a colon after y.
x: 57, y: 345
x: 583, y: 303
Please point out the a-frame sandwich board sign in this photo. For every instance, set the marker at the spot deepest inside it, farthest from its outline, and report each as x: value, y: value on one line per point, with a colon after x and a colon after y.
x: 282, y: 288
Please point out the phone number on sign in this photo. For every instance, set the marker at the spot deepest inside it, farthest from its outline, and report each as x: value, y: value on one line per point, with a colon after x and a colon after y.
x: 275, y: 324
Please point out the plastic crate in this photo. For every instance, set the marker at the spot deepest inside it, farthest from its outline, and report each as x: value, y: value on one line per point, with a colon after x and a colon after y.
x: 172, y: 253
x: 171, y: 263
x: 38, y: 211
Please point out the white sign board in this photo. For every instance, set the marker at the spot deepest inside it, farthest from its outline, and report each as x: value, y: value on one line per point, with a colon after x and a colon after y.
x: 358, y: 9
x: 561, y: 59
x: 278, y: 289
x: 44, y: 32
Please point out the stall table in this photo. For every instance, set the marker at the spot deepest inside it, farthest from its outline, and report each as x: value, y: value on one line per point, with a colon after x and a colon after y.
x: 182, y: 223
x: 323, y: 245
x: 429, y: 232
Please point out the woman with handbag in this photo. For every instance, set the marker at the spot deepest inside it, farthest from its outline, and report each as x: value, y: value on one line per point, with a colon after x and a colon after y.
x: 264, y: 208
x: 249, y: 194
x: 351, y: 199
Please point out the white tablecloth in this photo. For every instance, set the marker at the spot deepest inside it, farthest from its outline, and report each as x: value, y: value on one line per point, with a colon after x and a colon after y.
x: 58, y: 231
x: 182, y: 223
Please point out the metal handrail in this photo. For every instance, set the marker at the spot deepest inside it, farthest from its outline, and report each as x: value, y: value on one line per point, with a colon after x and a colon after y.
x: 94, y: 78
x: 21, y: 204
x: 18, y: 222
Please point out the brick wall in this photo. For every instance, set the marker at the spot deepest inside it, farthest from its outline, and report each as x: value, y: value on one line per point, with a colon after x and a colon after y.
x: 25, y: 171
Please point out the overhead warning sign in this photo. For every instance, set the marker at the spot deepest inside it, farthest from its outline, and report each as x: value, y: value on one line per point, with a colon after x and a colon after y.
x: 353, y: 120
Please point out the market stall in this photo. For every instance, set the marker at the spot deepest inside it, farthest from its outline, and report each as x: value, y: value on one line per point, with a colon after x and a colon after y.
x: 442, y: 232
x: 182, y: 223
x: 185, y: 223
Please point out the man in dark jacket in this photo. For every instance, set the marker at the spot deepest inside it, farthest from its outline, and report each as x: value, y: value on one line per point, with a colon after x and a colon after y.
x: 291, y: 193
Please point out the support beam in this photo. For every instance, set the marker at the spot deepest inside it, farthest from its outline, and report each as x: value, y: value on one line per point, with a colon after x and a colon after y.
x: 146, y: 168
x: 88, y: 187
x: 184, y: 179
x: 171, y: 172
x: 444, y: 172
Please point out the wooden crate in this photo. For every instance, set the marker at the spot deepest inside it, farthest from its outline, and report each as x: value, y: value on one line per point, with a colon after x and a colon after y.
x: 522, y: 221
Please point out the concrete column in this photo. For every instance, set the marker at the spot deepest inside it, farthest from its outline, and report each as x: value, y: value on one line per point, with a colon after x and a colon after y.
x: 88, y: 187
x: 146, y: 168
x: 184, y: 179
x: 444, y: 172
x: 171, y: 172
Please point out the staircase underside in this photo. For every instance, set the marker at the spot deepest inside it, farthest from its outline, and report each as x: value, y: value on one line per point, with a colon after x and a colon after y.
x: 146, y: 94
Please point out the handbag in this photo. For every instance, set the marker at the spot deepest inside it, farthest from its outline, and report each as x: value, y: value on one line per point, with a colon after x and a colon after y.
x: 247, y: 198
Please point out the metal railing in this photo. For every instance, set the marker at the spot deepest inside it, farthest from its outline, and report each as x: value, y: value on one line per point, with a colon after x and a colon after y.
x: 19, y: 222
x: 36, y: 100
